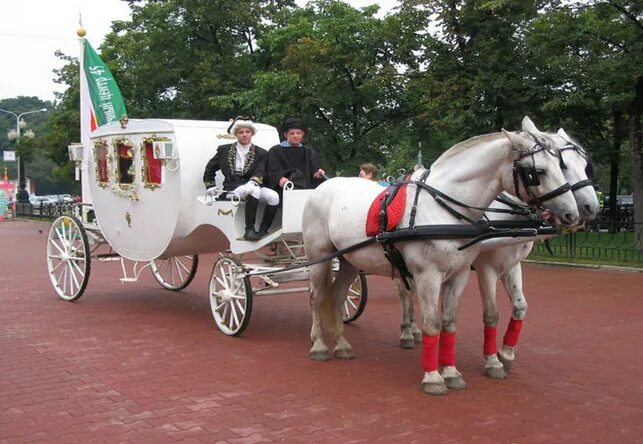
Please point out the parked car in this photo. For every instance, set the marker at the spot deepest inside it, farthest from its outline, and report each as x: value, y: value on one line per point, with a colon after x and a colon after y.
x: 41, y: 200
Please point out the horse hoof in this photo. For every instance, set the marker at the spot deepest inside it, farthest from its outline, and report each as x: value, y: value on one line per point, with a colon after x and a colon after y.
x: 320, y: 355
x: 407, y: 343
x: 506, y: 363
x: 435, y: 389
x: 495, y: 372
x: 455, y: 383
x: 417, y: 338
x: 344, y: 354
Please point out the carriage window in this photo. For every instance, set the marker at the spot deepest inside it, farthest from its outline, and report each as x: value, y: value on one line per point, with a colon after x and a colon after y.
x: 125, y: 162
x: 151, y: 166
x: 100, y: 153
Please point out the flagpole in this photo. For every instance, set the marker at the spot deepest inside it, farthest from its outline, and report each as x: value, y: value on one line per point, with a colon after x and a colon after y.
x: 85, y: 115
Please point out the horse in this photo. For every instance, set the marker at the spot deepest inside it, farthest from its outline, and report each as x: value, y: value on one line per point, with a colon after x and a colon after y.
x: 497, y: 260
x: 474, y: 171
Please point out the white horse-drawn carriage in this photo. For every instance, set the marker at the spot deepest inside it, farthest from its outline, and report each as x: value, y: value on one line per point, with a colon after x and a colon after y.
x: 149, y: 210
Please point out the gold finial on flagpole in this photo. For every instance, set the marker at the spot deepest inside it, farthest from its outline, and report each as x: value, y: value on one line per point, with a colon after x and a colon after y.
x: 81, y: 31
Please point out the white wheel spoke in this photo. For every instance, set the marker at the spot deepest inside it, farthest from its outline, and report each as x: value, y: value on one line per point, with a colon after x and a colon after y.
x: 349, y: 301
x: 242, y: 309
x: 64, y: 280
x: 226, y: 307
x: 53, y: 242
x: 222, y: 283
x: 80, y: 270
x: 218, y: 307
x: 54, y: 267
x: 178, y: 269
x: 180, y: 264
x: 234, y: 314
x: 346, y: 310
x: 224, y: 280
x: 72, y: 273
x: 354, y: 292
x: 77, y: 258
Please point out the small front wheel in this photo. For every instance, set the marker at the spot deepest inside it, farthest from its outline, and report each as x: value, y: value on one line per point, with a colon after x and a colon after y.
x: 230, y: 296
x: 68, y: 261
x: 176, y: 272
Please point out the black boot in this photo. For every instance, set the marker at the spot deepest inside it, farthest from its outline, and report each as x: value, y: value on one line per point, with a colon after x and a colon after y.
x: 251, y: 214
x: 251, y: 234
x: 266, y: 221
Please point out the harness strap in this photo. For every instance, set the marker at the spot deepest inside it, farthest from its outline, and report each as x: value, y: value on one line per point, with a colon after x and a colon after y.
x: 581, y: 184
x: 424, y: 176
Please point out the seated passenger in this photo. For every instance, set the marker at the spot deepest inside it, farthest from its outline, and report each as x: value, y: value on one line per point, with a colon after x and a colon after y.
x: 243, y: 166
x: 292, y: 161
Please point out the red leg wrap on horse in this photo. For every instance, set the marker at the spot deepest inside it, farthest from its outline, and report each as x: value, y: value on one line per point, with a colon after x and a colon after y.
x: 429, y: 353
x: 513, y: 332
x: 490, y: 347
x: 447, y: 348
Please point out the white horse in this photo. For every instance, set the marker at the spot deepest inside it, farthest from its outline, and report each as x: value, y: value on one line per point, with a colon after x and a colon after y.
x: 497, y: 260
x: 475, y: 172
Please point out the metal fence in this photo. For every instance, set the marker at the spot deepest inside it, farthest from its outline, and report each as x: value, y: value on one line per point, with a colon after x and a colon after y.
x: 600, y: 241
x: 45, y: 211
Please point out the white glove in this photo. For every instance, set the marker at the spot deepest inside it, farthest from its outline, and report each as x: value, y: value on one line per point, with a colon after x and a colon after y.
x: 212, y: 191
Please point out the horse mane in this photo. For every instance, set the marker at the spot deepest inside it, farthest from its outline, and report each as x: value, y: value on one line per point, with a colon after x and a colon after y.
x: 466, y: 144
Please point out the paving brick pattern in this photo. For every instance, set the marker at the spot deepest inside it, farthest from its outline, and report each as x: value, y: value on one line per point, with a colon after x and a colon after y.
x: 136, y: 363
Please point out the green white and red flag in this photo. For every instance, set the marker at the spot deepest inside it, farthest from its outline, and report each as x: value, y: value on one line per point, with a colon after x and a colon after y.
x: 101, y: 102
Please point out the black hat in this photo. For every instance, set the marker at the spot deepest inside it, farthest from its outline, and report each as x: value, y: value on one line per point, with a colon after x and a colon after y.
x: 292, y: 123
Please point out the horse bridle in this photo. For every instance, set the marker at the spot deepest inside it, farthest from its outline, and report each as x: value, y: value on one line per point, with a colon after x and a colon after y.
x: 529, y: 174
x: 589, y: 170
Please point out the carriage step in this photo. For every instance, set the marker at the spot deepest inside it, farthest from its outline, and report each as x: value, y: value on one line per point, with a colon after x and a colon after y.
x: 128, y: 279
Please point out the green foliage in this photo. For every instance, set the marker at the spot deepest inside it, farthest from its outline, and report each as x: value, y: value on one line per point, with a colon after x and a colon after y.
x: 379, y: 89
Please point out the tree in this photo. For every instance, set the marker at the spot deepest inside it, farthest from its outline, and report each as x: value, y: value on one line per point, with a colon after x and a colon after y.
x: 595, y: 84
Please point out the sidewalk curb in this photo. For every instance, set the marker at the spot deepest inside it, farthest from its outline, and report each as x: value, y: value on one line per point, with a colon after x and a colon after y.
x: 590, y: 266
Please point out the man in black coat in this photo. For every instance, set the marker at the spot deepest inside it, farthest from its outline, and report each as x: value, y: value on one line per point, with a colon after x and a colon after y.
x: 290, y: 161
x: 243, y: 167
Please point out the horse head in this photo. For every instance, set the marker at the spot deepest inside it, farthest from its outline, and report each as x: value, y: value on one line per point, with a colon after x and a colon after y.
x: 577, y: 169
x: 538, y: 179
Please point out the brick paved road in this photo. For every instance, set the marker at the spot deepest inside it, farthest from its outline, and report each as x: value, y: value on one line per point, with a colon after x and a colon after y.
x: 135, y: 363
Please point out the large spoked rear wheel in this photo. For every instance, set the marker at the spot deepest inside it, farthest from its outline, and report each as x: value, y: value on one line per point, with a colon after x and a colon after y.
x: 355, y: 299
x: 176, y: 272
x: 68, y: 260
x: 230, y: 296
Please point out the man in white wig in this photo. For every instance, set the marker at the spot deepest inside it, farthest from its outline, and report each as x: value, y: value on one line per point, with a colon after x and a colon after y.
x: 243, y: 166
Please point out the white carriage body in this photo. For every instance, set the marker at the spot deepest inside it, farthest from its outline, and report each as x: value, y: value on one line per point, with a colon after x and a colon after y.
x: 143, y: 221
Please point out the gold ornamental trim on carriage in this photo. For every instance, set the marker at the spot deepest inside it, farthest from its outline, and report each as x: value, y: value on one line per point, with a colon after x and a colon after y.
x: 98, y: 145
x: 148, y: 184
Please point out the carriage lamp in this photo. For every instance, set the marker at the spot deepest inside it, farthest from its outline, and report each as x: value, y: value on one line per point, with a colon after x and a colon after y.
x: 76, y: 155
x: 164, y: 151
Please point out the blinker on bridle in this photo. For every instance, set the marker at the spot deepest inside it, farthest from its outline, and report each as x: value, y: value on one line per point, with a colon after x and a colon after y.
x: 529, y: 174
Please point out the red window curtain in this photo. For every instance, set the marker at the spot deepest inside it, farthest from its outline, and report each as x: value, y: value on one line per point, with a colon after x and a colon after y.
x: 152, y: 165
x: 101, y: 161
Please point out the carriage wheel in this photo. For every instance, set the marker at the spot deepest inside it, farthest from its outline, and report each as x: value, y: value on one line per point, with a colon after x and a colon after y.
x: 68, y: 260
x: 355, y: 299
x: 176, y: 272
x: 230, y: 296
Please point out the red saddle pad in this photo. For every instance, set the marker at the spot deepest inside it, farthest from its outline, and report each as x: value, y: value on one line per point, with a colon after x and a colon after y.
x: 394, y: 211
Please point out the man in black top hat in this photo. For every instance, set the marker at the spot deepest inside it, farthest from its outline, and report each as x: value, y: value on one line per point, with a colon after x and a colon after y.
x: 290, y: 161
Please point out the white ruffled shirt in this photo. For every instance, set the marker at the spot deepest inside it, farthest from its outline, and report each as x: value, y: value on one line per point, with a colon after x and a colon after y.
x: 242, y: 152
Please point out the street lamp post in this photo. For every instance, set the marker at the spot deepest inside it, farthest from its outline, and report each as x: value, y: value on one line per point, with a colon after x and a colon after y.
x: 23, y: 194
